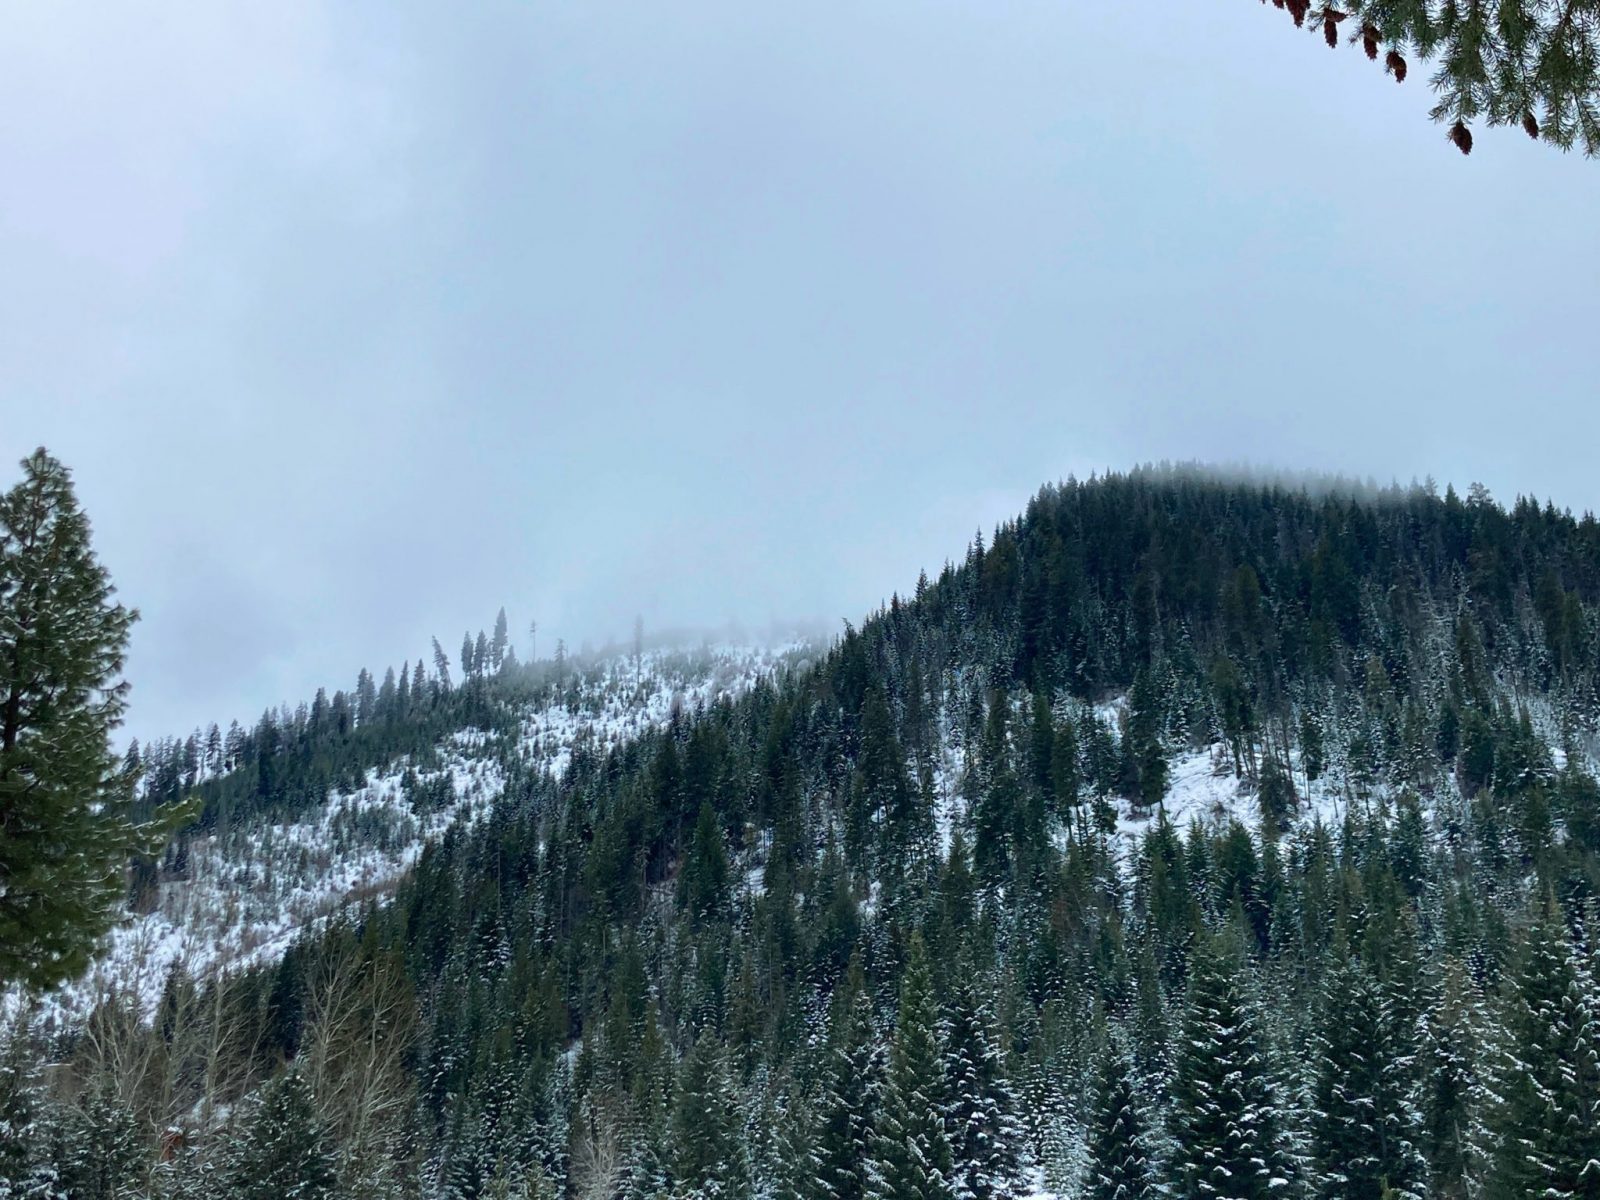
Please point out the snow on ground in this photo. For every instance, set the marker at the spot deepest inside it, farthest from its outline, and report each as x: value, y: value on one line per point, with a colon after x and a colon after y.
x: 250, y: 893
x: 1202, y: 787
x: 949, y: 763
x: 623, y: 698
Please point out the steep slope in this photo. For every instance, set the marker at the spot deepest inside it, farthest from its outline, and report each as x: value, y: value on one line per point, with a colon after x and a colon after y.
x: 1185, y: 831
x: 235, y: 894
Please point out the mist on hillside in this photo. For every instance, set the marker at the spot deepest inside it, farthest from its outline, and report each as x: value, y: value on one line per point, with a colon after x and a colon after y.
x: 357, y: 327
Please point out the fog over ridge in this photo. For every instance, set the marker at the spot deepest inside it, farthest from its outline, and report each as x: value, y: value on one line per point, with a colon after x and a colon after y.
x: 357, y: 322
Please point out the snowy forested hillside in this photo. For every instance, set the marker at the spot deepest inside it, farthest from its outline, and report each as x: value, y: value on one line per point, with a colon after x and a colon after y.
x: 232, y: 898
x: 1186, y: 838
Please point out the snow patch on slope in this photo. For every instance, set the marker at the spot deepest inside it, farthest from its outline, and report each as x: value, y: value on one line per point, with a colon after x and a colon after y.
x: 250, y: 893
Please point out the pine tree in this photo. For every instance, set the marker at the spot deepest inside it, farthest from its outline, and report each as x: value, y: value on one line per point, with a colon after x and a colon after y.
x: 26, y: 1172
x: 886, y: 792
x: 1544, y: 1125
x: 798, y: 1165
x: 66, y: 826
x: 703, y: 884
x: 284, y: 1152
x: 1143, y: 742
x: 1224, y: 1111
x: 366, y: 700
x: 1275, y: 793
x: 709, y: 1158
x: 1448, y: 1070
x: 1119, y: 1161
x: 911, y: 1159
x: 1503, y: 62
x: 468, y: 1164
x: 102, y: 1151
x: 986, y: 1136
x: 852, y: 1096
x: 1065, y: 778
x: 999, y: 795
x: 497, y: 647
x: 1364, y: 1124
x: 387, y: 705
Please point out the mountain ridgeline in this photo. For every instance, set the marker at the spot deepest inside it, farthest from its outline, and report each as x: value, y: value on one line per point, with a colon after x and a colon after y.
x: 939, y: 916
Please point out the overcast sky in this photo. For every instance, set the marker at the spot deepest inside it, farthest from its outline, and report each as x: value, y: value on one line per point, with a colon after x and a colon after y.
x: 356, y: 321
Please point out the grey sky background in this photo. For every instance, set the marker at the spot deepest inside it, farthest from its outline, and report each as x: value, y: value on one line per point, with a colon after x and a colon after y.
x: 356, y: 321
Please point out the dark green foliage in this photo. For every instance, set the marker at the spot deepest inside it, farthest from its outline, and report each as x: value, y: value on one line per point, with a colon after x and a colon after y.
x: 1447, y: 1067
x: 911, y: 1146
x: 1147, y: 755
x: 1119, y: 1160
x: 708, y: 1151
x: 1545, y: 1120
x: 797, y: 1170
x: 284, y: 1152
x: 1313, y: 748
x: 1364, y: 1126
x: 852, y: 1094
x: 1225, y: 1121
x: 1502, y: 62
x: 67, y: 822
x: 703, y: 886
x: 26, y: 1169
x: 998, y: 797
x: 986, y: 1136
x: 103, y: 1155
x: 1408, y: 850
x: 1578, y: 805
x: 1277, y: 795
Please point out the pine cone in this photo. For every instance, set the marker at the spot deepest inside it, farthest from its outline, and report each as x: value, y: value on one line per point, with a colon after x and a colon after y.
x: 1369, y: 41
x: 1396, y: 65
x: 1298, y: 9
x: 1530, y: 125
x: 1462, y: 137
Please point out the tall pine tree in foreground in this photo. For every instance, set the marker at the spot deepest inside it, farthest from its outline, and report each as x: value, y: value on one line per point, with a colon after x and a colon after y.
x: 67, y: 828
x: 795, y: 1151
x: 851, y: 1097
x: 1544, y: 1123
x: 1448, y: 1069
x: 1364, y: 1123
x: 709, y: 1154
x: 1224, y: 1112
x: 1119, y: 1164
x: 912, y: 1160
x: 986, y: 1136
x: 102, y: 1156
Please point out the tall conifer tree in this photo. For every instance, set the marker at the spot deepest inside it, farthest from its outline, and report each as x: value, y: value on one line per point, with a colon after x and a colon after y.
x: 1544, y: 1124
x: 1364, y: 1122
x: 67, y: 828
x: 851, y: 1097
x: 1224, y: 1111
x: 1119, y: 1160
x: 912, y: 1158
